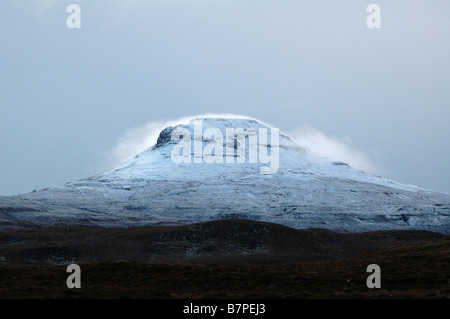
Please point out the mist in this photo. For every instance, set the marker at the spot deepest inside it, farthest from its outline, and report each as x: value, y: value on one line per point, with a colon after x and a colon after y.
x: 137, y: 139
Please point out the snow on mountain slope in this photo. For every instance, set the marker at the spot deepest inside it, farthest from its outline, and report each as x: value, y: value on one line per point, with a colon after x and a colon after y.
x: 305, y: 191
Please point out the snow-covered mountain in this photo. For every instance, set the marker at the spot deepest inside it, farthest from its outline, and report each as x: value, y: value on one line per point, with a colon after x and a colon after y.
x: 300, y: 191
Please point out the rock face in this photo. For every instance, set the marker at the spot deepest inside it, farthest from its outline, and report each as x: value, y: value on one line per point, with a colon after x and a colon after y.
x: 164, y: 137
x: 304, y: 192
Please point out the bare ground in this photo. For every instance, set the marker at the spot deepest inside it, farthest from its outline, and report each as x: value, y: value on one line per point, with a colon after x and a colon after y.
x: 222, y: 259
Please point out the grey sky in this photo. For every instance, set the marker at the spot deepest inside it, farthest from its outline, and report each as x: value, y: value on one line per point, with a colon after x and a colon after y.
x: 67, y: 96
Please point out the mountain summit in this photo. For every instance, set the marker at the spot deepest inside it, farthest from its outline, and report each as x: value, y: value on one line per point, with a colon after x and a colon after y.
x: 215, y: 168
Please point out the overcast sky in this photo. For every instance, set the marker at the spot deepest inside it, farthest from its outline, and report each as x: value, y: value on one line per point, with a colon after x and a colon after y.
x: 69, y: 98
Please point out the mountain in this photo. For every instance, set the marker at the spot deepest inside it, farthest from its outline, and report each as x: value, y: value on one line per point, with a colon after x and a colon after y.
x: 206, y: 175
